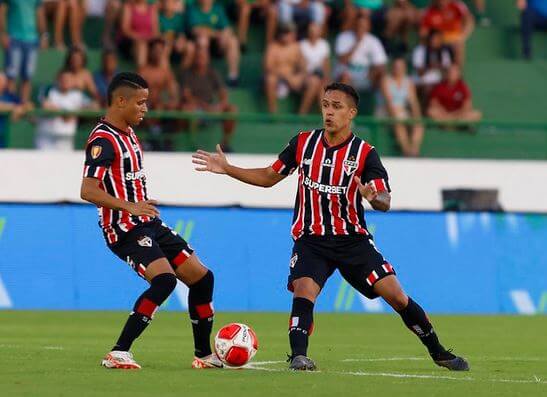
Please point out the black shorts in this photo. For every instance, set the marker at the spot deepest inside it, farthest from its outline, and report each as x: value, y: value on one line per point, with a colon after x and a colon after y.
x: 150, y: 241
x: 356, y: 257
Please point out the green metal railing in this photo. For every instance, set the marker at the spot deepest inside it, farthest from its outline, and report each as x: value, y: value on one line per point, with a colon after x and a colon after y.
x: 269, y: 133
x: 286, y: 118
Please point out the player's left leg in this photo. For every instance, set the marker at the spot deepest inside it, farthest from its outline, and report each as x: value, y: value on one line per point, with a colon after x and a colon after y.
x: 162, y: 282
x: 200, y: 281
x: 366, y: 270
x: 309, y: 270
x: 418, y: 322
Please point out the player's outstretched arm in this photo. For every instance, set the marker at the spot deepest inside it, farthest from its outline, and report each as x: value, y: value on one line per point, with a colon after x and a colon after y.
x: 380, y: 201
x: 218, y: 164
x: 90, y: 191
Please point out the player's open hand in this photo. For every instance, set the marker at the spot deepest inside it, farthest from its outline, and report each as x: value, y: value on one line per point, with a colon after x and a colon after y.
x: 212, y: 162
x: 147, y: 208
x: 368, y: 190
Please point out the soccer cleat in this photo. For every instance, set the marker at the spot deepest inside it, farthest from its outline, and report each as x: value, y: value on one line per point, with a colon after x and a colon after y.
x: 117, y: 359
x: 210, y: 361
x: 452, y: 362
x: 301, y: 363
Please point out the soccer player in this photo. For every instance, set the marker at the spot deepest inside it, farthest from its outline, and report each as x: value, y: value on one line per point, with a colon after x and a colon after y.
x: 114, y: 180
x: 336, y: 170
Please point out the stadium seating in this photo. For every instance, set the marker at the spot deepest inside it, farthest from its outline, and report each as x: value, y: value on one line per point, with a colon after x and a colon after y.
x: 509, y: 90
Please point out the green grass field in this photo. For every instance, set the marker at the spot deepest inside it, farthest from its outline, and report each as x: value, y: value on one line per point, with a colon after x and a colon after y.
x: 58, y: 354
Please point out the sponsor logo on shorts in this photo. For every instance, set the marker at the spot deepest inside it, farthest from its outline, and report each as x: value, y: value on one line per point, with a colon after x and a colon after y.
x: 293, y: 260
x: 144, y: 241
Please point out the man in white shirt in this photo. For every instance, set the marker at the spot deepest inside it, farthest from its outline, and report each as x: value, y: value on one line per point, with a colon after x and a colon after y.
x: 57, y: 133
x: 361, y: 56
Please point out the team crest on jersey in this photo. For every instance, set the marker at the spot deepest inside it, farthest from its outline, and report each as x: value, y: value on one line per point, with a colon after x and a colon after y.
x: 144, y: 241
x: 293, y: 261
x: 96, y: 151
x: 350, y: 165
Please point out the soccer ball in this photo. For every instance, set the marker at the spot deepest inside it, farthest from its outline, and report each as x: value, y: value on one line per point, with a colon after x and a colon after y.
x: 236, y: 344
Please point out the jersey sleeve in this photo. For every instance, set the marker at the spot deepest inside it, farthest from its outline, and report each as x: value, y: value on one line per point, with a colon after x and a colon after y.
x: 374, y: 171
x: 286, y: 162
x: 99, y: 155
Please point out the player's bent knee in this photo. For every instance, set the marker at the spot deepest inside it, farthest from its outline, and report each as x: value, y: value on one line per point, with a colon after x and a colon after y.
x: 397, y: 301
x: 305, y: 287
x: 165, y: 283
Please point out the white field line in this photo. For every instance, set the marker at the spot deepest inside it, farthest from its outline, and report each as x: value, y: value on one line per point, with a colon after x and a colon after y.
x: 262, y: 366
x: 484, y: 358
x: 259, y: 363
x: 350, y: 360
x: 54, y: 348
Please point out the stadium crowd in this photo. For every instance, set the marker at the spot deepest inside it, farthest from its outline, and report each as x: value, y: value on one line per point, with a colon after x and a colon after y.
x: 171, y: 43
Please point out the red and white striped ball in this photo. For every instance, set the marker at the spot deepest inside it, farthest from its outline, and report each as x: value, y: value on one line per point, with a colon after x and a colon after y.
x: 236, y: 344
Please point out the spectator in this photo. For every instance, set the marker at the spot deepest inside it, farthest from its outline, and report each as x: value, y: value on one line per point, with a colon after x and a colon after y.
x: 26, y: 28
x: 57, y: 133
x: 533, y: 16
x: 430, y: 60
x: 56, y: 10
x: 95, y: 8
x: 401, y: 17
x: 112, y: 14
x: 208, y: 22
x: 298, y: 12
x: 103, y: 77
x: 316, y: 52
x: 177, y: 47
x: 374, y: 9
x: 244, y: 10
x: 285, y: 71
x: 398, y: 95
x: 480, y: 8
x: 361, y: 57
x: 453, y: 19
x: 451, y: 99
x: 9, y: 103
x: 82, y: 79
x: 203, y: 90
x: 139, y: 26
x: 76, y: 13
x: 162, y: 85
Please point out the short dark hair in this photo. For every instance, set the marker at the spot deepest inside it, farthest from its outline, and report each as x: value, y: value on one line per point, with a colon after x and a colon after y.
x: 346, y: 89
x: 125, y: 79
x: 71, y: 53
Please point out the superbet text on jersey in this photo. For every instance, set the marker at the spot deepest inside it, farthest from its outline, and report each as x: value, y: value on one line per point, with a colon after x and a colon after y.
x: 328, y: 201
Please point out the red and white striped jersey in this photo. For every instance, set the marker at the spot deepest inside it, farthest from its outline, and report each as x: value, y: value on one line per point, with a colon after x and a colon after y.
x: 328, y: 201
x: 115, y: 157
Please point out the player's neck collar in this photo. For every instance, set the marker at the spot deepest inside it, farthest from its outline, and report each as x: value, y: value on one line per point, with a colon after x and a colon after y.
x: 112, y: 126
x: 335, y: 147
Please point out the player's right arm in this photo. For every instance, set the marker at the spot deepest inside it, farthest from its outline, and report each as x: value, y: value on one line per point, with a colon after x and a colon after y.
x: 218, y: 164
x: 99, y: 157
x: 264, y: 177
